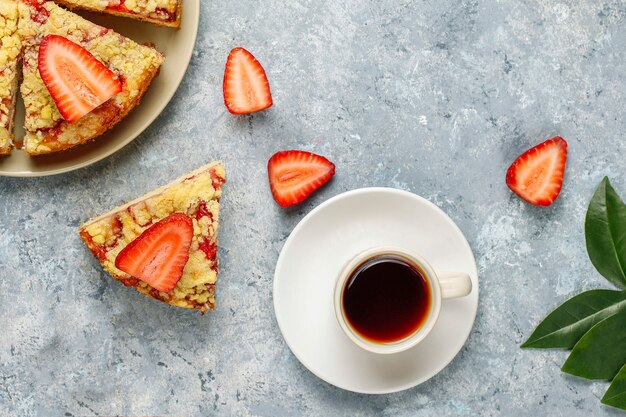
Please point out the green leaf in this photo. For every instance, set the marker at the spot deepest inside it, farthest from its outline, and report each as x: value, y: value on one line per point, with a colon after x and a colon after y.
x: 605, y: 232
x: 616, y: 394
x: 600, y: 353
x: 572, y: 319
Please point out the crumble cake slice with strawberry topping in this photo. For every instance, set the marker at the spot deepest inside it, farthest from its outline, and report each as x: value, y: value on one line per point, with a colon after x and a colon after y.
x: 71, y: 73
x: 164, y: 244
x: 10, y: 48
x: 159, y: 12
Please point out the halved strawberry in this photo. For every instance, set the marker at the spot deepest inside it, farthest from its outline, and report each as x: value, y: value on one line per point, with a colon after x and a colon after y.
x: 158, y: 256
x: 76, y: 80
x: 537, y: 175
x: 246, y: 89
x: 294, y: 175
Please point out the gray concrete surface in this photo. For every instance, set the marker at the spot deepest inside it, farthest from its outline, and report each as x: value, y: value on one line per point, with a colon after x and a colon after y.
x: 434, y: 97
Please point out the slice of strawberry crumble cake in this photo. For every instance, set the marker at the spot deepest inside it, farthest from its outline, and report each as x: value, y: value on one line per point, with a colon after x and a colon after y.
x: 132, y: 65
x: 10, y: 48
x: 159, y: 12
x: 164, y: 244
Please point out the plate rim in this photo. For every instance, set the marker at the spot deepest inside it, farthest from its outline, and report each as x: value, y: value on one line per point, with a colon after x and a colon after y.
x: 148, y: 121
x: 349, y: 194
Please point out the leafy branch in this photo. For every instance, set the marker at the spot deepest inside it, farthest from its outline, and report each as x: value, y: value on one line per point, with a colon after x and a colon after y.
x: 593, y: 324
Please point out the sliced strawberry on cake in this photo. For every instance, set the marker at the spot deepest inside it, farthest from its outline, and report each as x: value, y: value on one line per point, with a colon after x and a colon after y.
x: 295, y: 175
x: 164, y: 244
x: 77, y: 82
x: 158, y: 256
x: 159, y: 12
x: 80, y: 79
x: 246, y: 89
x: 10, y: 48
x: 537, y: 175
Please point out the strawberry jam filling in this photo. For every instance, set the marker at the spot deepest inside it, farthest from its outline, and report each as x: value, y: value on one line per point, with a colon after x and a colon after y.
x: 217, y: 180
x: 118, y: 6
x: 41, y: 14
x: 116, y: 227
x: 203, y: 211
x: 208, y: 247
x: 99, y: 251
x: 130, y: 282
x: 160, y: 13
x: 6, y: 103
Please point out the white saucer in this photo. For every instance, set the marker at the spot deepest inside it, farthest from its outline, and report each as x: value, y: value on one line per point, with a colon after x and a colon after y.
x: 313, y: 256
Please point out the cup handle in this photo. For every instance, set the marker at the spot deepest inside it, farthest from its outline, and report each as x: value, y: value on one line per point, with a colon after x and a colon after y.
x: 454, y: 284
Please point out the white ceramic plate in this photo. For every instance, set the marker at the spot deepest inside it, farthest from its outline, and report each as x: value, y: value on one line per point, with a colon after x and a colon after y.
x: 314, y: 255
x: 177, y: 45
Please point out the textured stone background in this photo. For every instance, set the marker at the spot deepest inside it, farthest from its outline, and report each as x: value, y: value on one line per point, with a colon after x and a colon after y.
x: 435, y: 97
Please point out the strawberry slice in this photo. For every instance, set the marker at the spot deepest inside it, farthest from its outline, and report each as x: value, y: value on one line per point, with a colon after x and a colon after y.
x: 158, y: 256
x: 76, y: 80
x: 294, y: 175
x: 537, y: 175
x: 246, y: 89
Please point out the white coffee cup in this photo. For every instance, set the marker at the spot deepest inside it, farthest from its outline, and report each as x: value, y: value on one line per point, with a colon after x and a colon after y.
x: 443, y: 285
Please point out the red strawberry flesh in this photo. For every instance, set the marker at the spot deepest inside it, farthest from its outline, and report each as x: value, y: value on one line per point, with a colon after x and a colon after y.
x: 76, y: 80
x: 246, y: 89
x: 537, y: 175
x: 294, y: 175
x: 158, y: 256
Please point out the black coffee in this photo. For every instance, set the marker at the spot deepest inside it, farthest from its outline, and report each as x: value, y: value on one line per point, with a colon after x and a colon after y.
x: 386, y: 299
